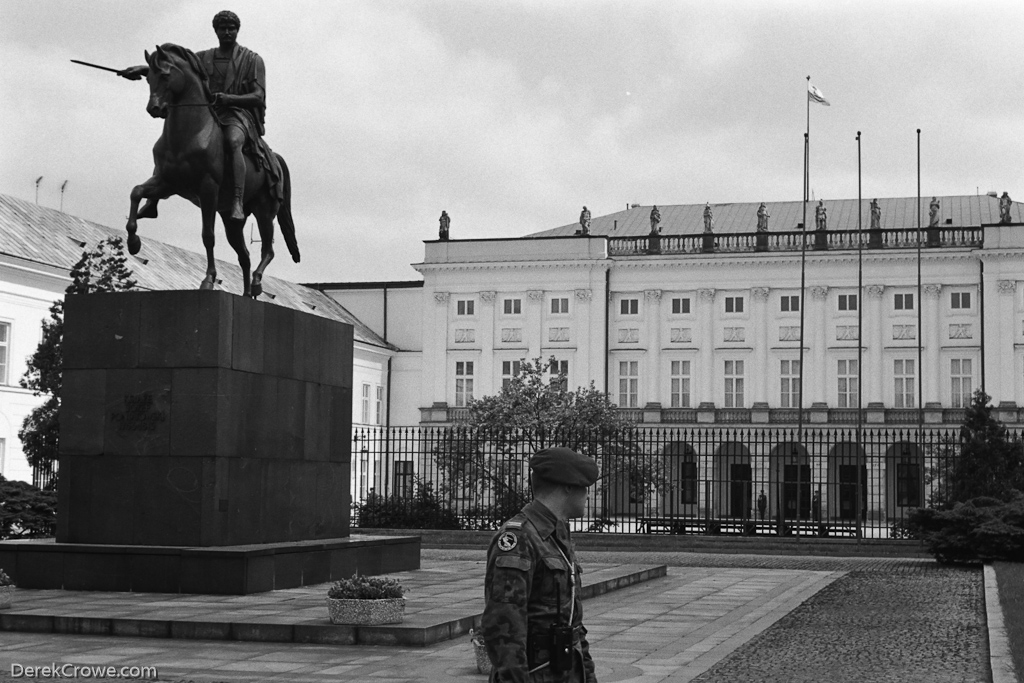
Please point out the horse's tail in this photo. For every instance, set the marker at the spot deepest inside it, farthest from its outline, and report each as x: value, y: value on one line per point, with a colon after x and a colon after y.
x: 284, y: 214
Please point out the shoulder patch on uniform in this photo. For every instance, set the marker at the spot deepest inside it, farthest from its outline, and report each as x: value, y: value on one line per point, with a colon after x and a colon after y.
x: 507, y: 541
x: 513, y: 524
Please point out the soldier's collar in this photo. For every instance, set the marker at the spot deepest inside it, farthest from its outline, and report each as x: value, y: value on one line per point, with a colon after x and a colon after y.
x: 543, y: 519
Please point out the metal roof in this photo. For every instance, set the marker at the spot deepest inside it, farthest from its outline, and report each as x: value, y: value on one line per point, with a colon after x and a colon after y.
x: 53, y: 238
x: 688, y: 219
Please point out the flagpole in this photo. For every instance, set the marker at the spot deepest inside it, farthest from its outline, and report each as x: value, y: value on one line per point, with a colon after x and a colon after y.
x: 803, y: 309
x: 860, y: 342
x: 920, y: 303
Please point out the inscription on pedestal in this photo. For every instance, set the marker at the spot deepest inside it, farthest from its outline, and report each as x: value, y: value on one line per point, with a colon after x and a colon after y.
x: 138, y: 414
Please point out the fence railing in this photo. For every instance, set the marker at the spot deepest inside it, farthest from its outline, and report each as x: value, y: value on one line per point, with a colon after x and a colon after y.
x: 833, y: 481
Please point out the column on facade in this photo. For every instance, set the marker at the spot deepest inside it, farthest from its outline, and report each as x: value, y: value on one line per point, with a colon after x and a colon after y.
x: 435, y: 351
x: 874, y: 341
x: 933, y: 374
x: 533, y: 319
x: 817, y: 321
x: 485, y: 340
x: 706, y: 387
x: 584, y: 338
x: 652, y: 341
x: 1004, y: 380
x: 758, y: 336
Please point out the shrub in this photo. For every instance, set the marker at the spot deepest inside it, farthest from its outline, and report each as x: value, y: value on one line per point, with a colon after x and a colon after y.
x: 4, y: 579
x: 422, y: 511
x: 26, y: 511
x: 366, y: 588
x: 981, y: 529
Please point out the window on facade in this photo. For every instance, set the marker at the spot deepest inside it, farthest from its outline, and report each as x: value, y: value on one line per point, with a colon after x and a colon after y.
x: 559, y: 371
x: 733, y: 384
x: 960, y: 300
x: 629, y: 306
x: 908, y: 485
x: 789, y: 304
x: 379, y: 407
x: 680, y: 383
x: 790, y: 384
x: 403, y: 478
x: 463, y: 383
x: 903, y: 302
x: 734, y: 304
x: 960, y: 382
x: 560, y: 305
x: 513, y: 306
x: 509, y: 369
x: 903, y: 379
x: 847, y: 302
x: 5, y: 354
x: 365, y: 414
x: 464, y: 306
x: 847, y: 383
x: 688, y: 482
x: 629, y: 381
x: 680, y: 306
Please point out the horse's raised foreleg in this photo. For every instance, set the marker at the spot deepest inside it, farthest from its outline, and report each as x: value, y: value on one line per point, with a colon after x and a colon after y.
x: 235, y: 230
x: 265, y: 220
x: 208, y: 191
x: 152, y: 188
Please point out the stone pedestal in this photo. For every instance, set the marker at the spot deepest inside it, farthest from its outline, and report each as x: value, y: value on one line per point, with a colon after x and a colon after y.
x: 207, y: 422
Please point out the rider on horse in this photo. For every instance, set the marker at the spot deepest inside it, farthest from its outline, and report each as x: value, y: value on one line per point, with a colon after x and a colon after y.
x: 237, y: 80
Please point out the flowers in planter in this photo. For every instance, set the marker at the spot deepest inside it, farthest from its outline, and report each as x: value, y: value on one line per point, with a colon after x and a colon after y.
x: 366, y: 588
x: 5, y: 580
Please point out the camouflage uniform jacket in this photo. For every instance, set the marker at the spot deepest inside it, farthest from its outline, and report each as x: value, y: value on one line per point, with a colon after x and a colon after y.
x: 525, y: 562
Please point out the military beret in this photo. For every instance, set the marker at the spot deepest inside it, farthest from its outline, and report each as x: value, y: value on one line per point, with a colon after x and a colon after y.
x: 564, y: 466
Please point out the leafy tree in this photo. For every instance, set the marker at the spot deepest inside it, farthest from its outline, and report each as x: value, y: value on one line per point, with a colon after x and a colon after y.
x: 990, y: 461
x: 103, y: 269
x: 486, y: 455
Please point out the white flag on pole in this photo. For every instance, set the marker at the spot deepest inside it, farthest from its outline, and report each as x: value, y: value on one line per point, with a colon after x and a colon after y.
x: 815, y: 95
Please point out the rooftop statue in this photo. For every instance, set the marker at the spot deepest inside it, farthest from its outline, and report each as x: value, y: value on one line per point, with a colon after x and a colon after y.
x: 709, y: 219
x: 211, y: 151
x: 585, y: 221
x: 820, y: 216
x: 762, y: 218
x: 655, y: 220
x: 933, y: 213
x: 1004, y: 208
x: 446, y: 223
x: 876, y: 215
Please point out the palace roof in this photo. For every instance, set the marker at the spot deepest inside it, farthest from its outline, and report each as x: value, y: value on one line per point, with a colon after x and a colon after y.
x: 897, y: 213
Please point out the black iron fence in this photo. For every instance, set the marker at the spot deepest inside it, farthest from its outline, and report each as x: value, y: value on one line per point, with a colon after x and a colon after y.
x: 814, y: 482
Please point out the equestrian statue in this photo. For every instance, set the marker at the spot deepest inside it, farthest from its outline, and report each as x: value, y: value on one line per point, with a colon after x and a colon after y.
x: 211, y: 151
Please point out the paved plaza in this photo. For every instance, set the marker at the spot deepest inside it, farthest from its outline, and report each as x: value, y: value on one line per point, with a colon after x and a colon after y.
x: 775, y: 619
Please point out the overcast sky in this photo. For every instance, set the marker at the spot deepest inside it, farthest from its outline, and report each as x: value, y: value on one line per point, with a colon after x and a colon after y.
x: 512, y: 115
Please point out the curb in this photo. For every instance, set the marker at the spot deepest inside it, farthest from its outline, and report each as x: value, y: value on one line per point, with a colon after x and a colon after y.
x: 999, y: 655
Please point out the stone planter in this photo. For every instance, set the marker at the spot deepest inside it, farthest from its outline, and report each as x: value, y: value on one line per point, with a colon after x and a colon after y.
x: 366, y: 612
x: 6, y: 596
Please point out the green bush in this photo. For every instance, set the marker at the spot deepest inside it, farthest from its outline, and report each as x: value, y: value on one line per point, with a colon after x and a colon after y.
x: 422, y: 511
x: 366, y: 588
x: 982, y: 529
x: 26, y: 511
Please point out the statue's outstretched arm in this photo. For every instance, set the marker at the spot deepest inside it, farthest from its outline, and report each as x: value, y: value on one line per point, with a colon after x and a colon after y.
x: 134, y: 73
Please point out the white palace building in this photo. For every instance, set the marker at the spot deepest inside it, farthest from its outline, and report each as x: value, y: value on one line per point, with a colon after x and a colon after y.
x: 701, y: 330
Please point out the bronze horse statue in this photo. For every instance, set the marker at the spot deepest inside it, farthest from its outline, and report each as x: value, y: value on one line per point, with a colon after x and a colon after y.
x: 190, y: 161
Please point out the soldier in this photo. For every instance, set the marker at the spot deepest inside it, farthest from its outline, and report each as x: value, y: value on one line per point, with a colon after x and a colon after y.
x: 533, y: 615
